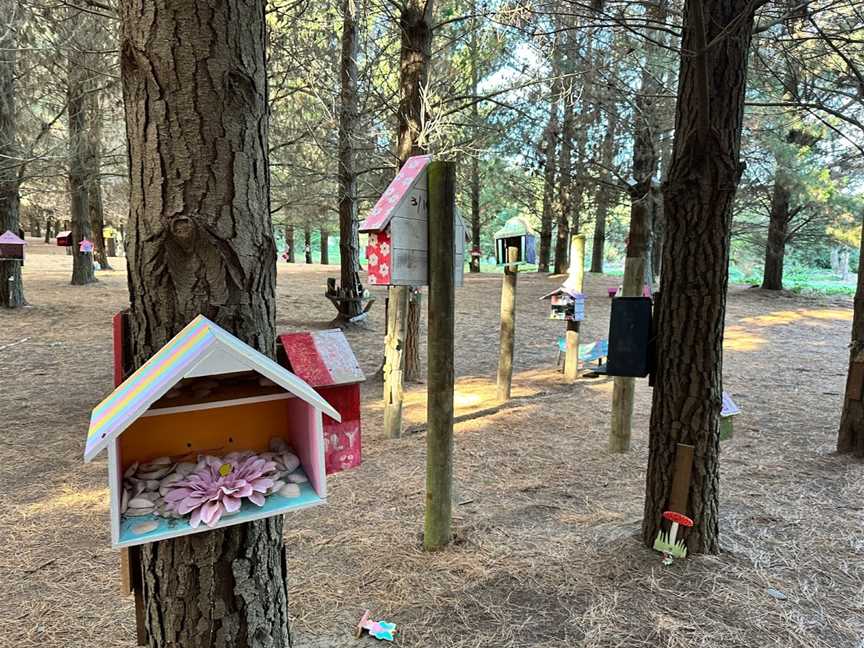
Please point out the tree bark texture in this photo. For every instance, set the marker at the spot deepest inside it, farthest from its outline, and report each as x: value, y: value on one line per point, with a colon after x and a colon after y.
x: 307, y: 243
x: 550, y: 154
x: 415, y: 22
x: 349, y: 242
x: 850, y: 439
x: 475, y: 213
x: 474, y: 265
x: 778, y: 225
x: 11, y: 288
x: 325, y: 244
x: 79, y: 163
x: 93, y: 156
x: 698, y: 196
x: 289, y: 242
x: 201, y: 241
x: 565, y: 180
x: 603, y: 197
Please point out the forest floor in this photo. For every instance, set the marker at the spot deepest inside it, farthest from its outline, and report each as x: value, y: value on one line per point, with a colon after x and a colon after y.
x: 548, y: 552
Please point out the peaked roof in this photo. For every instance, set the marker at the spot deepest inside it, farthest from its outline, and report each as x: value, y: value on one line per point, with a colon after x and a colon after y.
x: 201, y: 343
x: 395, y: 194
x: 8, y: 238
x: 516, y: 226
x: 322, y: 358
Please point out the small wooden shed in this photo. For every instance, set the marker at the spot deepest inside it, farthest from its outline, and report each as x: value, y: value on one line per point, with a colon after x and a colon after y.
x: 205, y: 394
x: 11, y: 247
x: 516, y: 233
x: 64, y: 239
x: 397, y: 252
x: 324, y: 359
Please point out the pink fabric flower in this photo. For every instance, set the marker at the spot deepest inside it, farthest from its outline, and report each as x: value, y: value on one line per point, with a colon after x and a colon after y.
x: 219, y: 485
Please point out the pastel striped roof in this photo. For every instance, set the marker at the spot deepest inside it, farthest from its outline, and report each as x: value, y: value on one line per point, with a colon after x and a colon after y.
x: 199, y: 342
x: 395, y: 193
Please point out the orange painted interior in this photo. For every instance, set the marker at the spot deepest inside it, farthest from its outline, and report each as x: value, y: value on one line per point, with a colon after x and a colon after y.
x: 218, y: 431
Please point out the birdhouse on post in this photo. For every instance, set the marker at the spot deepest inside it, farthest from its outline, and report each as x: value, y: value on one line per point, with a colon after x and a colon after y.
x: 516, y: 233
x: 324, y: 359
x: 11, y: 247
x: 730, y: 410
x: 206, y: 434
x: 397, y: 252
x: 86, y: 246
x: 566, y: 304
x: 64, y: 239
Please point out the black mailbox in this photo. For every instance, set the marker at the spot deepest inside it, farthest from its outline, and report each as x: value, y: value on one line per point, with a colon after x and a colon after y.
x: 630, y: 335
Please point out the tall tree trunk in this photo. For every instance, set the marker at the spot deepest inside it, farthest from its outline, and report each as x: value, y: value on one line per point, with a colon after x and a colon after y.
x: 11, y: 288
x: 550, y: 142
x: 289, y: 242
x: 474, y: 265
x: 850, y: 439
x: 201, y: 241
x: 49, y: 226
x: 325, y: 244
x: 79, y: 176
x: 778, y: 224
x: 93, y: 145
x: 565, y: 180
x: 698, y: 197
x: 36, y: 224
x: 415, y: 22
x: 349, y: 242
x: 307, y: 243
x: 603, y: 198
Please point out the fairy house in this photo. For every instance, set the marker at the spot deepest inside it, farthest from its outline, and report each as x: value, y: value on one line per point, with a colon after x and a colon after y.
x: 397, y: 251
x: 11, y: 247
x: 206, y: 394
x: 566, y: 304
x: 324, y: 360
x: 517, y: 234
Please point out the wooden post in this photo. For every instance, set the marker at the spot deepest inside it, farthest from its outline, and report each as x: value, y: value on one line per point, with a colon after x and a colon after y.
x: 575, y: 280
x: 508, y: 324
x: 680, y: 492
x: 624, y: 388
x: 439, y: 436
x: 394, y: 348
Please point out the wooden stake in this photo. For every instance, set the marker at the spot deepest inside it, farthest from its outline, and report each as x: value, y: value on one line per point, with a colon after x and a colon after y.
x: 575, y: 280
x: 439, y: 410
x: 394, y: 348
x: 624, y: 388
x: 508, y: 324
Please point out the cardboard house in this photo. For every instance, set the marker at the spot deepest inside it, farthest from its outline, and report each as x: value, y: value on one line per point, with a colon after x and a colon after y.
x: 11, y: 247
x: 324, y: 360
x: 516, y: 233
x: 566, y: 304
x: 205, y: 393
x: 397, y: 251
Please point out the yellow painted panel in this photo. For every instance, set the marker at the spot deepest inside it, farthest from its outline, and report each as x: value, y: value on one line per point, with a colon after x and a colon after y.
x: 218, y: 431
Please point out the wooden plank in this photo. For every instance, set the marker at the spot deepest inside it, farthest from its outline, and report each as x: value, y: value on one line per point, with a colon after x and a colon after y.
x: 439, y: 437
x: 407, y: 234
x: 410, y: 267
x: 507, y: 335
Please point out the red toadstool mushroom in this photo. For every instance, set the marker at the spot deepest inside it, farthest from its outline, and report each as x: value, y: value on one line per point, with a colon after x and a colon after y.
x: 676, y: 519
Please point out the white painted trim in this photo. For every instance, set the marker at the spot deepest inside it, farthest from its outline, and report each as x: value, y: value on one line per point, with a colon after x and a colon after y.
x: 224, y: 522
x: 195, y: 407
x: 115, y: 488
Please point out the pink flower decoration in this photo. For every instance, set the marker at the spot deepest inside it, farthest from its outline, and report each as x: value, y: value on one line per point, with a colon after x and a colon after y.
x: 218, y: 487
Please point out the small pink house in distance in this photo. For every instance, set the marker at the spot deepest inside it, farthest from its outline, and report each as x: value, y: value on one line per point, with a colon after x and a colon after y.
x: 398, y: 248
x: 11, y: 247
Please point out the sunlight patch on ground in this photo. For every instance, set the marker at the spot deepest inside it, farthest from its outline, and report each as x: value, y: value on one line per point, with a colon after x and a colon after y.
x: 738, y: 338
x: 68, y: 501
x: 778, y: 318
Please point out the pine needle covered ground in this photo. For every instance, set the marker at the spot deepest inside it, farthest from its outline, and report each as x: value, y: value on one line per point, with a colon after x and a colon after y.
x: 547, y: 552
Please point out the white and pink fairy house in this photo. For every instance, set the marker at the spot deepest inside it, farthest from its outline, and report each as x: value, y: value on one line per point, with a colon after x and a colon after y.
x: 397, y: 251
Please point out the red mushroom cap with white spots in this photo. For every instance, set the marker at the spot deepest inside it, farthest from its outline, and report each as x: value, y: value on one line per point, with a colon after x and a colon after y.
x: 680, y: 518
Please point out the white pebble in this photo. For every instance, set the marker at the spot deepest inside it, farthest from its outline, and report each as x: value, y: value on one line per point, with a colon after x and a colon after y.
x: 131, y: 470
x: 290, y: 490
x: 298, y: 477
x: 290, y: 461
x: 124, y: 500
x: 277, y: 444
x: 183, y: 469
x: 151, y: 485
x: 140, y: 503
x: 145, y: 527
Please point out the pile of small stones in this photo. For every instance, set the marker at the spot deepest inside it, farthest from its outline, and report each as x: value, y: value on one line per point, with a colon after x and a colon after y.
x: 146, y: 484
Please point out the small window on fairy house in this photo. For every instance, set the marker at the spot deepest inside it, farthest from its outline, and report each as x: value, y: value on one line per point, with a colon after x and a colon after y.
x: 208, y: 433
